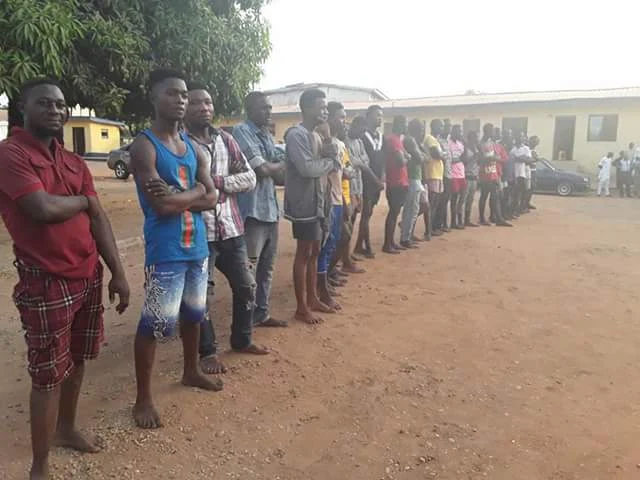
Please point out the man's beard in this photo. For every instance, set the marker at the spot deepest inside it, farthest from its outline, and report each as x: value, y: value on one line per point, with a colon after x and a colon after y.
x: 44, y: 132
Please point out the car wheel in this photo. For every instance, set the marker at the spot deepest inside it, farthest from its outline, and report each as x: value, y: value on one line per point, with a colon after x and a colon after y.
x: 564, y: 189
x: 121, y: 171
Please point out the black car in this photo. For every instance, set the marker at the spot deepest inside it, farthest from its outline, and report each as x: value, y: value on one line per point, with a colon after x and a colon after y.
x: 564, y: 183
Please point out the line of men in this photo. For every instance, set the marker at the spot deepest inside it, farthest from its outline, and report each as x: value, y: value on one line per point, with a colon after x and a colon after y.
x: 209, y: 203
x: 335, y: 173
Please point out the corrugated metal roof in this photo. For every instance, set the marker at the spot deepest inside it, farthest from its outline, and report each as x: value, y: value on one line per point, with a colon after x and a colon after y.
x: 491, y: 98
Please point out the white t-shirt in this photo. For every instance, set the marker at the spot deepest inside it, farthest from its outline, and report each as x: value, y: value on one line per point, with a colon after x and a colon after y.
x: 522, y: 170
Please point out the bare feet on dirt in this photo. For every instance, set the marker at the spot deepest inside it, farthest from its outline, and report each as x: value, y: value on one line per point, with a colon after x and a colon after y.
x: 212, y: 365
x: 254, y: 349
x: 318, y: 306
x: 146, y: 416
x: 198, y: 380
x: 73, y: 439
x: 308, y: 318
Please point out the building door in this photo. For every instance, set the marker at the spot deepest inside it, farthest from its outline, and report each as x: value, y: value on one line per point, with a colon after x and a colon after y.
x: 564, y: 138
x: 79, y: 145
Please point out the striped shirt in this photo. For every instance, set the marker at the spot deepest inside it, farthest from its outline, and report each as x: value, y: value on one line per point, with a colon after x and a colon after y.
x: 231, y: 175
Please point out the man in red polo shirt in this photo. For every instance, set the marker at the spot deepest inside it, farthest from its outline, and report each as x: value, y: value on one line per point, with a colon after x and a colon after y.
x: 396, y: 159
x: 50, y: 208
x: 489, y: 178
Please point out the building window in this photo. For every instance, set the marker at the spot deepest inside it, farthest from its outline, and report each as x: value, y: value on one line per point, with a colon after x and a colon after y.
x: 603, y: 128
x: 104, y: 134
x: 517, y: 125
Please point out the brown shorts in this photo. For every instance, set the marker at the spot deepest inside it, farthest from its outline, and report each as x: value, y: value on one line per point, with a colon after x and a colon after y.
x: 62, y: 320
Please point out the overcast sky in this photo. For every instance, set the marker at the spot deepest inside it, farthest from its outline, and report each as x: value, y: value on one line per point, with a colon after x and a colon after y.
x: 408, y: 48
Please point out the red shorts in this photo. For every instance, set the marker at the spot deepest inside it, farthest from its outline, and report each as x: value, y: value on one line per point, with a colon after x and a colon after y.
x: 458, y: 185
x: 62, y: 320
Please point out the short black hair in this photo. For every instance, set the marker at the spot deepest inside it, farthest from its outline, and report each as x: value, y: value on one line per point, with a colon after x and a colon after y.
x: 29, y: 85
x: 161, y: 74
x: 416, y: 125
x: 251, y: 98
x: 195, y: 86
x: 373, y: 109
x: 434, y: 122
x: 309, y: 97
x: 334, y: 107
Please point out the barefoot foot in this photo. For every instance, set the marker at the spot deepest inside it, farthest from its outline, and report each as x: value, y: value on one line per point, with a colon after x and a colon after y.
x: 146, y: 416
x: 308, y: 318
x: 254, y: 350
x: 353, y: 269
x: 212, y: 366
x: 198, y: 380
x: 318, y: 306
x: 73, y: 439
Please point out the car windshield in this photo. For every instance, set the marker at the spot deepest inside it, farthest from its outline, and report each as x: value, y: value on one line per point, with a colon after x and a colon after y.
x: 544, y: 164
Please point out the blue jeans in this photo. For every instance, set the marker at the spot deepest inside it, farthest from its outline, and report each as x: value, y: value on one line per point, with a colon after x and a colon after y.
x: 262, y: 248
x: 172, y: 291
x: 410, y: 210
x: 230, y: 257
x: 329, y: 247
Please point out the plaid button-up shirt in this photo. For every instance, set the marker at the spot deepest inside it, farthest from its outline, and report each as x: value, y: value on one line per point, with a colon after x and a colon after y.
x: 231, y: 175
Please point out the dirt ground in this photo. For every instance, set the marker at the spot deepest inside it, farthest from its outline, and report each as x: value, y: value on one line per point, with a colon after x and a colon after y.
x: 496, y: 353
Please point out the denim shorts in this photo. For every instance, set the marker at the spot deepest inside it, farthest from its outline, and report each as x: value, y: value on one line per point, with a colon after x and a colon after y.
x: 173, y: 291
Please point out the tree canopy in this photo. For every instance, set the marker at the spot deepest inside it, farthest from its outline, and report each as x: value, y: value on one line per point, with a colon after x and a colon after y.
x: 103, y: 50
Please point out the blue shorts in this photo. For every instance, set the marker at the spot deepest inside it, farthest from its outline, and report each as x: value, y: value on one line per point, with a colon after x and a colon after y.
x: 173, y: 291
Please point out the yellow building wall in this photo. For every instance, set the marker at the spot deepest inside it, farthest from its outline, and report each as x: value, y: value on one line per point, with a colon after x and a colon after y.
x: 94, y: 143
x: 541, y: 122
x: 97, y: 144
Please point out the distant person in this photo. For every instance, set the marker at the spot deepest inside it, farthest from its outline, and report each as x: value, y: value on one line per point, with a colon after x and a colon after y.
x: 503, y: 158
x: 336, y: 121
x: 373, y: 141
x: 309, y: 160
x: 508, y: 179
x: 471, y: 157
x: 634, y: 155
x: 396, y: 158
x: 623, y: 174
x: 361, y: 163
x: 351, y: 175
x: 458, y: 178
x: 534, y: 142
x: 489, y: 178
x: 416, y: 192
x: 51, y: 210
x: 443, y: 206
x: 434, y: 174
x: 259, y: 207
x: 521, y: 156
x: 174, y: 185
x: 604, y: 175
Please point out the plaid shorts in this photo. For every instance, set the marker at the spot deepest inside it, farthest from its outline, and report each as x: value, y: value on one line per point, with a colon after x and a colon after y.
x: 62, y: 320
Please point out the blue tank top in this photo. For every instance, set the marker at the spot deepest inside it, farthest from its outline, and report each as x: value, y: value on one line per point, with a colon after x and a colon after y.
x: 175, y: 238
